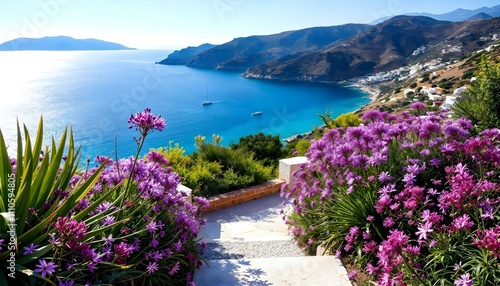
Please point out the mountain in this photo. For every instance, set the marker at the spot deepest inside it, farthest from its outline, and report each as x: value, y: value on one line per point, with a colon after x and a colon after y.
x: 479, y: 16
x: 60, y: 43
x: 242, y: 53
x: 457, y: 15
x: 184, y: 56
x: 386, y: 46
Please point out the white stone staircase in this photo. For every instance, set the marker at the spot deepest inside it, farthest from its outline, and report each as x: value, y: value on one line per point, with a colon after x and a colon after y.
x: 257, y: 227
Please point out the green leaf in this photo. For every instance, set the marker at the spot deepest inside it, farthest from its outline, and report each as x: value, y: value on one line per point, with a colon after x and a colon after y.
x: 35, y: 255
x: 30, y: 272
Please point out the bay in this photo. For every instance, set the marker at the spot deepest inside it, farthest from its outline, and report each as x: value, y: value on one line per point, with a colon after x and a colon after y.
x: 95, y: 92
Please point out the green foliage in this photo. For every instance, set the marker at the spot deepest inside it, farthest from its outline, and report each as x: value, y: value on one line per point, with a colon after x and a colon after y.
x: 302, y: 146
x: 446, y: 84
x: 264, y: 148
x: 344, y: 120
x: 413, y: 85
x: 47, y: 200
x: 481, y: 104
x: 215, y: 169
x: 425, y: 77
x: 34, y: 183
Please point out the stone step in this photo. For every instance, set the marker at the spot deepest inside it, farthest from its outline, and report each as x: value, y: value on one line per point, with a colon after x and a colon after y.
x: 244, y: 231
x: 251, y: 249
x: 279, y: 271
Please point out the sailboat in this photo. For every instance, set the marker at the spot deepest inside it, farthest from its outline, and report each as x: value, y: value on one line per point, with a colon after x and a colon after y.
x: 206, y: 102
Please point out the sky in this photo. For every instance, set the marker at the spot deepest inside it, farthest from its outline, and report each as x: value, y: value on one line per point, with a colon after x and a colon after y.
x: 174, y: 24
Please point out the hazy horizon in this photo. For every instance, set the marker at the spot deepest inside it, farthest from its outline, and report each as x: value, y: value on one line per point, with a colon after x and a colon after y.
x: 177, y: 24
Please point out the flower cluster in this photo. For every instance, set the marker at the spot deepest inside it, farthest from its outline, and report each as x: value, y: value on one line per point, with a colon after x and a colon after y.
x: 413, y: 194
x: 118, y: 222
x: 146, y: 122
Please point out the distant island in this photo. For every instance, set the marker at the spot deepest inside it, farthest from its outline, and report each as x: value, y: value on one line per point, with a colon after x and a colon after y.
x: 59, y: 43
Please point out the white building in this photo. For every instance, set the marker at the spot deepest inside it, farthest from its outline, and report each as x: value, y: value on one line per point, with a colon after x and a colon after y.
x: 460, y: 90
x: 450, y: 100
x: 434, y: 97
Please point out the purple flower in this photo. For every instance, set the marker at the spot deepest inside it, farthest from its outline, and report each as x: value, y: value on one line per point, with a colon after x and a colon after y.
x: 69, y: 229
x: 174, y: 269
x: 66, y: 283
x: 388, y: 222
x: 352, y: 275
x: 151, y: 227
x: 152, y: 267
x: 462, y: 222
x: 108, y: 220
x: 464, y: 280
x: 157, y: 157
x: 92, y: 266
x: 145, y: 122
x: 44, y: 268
x: 108, y: 240
x: 30, y: 249
x: 423, y: 230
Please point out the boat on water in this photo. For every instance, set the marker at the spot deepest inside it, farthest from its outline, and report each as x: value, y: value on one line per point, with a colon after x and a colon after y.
x: 206, y: 102
x: 257, y: 113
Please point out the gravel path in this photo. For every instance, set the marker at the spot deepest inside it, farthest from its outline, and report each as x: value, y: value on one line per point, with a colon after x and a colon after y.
x: 251, y: 249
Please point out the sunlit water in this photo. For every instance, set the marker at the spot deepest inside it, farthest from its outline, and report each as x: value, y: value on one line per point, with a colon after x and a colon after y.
x: 94, y: 92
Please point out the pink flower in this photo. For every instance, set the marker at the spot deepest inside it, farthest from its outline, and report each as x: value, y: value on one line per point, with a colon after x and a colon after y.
x: 464, y: 280
x: 352, y: 275
x: 462, y: 222
x: 423, y: 230
x: 174, y: 269
x: 145, y: 122
x: 152, y: 267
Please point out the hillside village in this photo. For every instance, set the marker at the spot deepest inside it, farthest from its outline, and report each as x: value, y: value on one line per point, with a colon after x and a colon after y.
x: 436, y: 82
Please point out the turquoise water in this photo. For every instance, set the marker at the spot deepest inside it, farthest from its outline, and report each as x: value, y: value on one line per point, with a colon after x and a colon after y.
x: 96, y: 91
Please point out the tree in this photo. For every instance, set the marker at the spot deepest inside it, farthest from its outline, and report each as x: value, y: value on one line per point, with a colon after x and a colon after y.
x: 265, y: 148
x: 343, y: 120
x: 481, y: 103
x: 302, y: 146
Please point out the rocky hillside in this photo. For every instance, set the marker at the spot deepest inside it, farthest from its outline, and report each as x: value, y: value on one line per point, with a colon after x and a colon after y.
x: 243, y: 53
x: 184, y: 56
x: 386, y: 46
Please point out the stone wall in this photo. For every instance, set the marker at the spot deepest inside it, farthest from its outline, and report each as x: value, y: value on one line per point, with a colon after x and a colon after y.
x: 244, y: 195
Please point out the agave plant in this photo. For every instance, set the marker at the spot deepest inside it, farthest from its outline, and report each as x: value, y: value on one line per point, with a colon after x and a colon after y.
x: 36, y: 187
x: 117, y: 223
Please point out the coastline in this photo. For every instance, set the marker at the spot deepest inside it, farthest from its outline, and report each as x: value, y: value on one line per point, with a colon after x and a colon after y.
x: 372, y: 91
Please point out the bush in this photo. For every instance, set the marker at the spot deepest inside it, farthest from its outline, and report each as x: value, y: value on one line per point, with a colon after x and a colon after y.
x: 343, y: 120
x: 302, y: 147
x: 265, y: 148
x: 413, y: 200
x: 215, y: 169
x: 122, y: 222
x: 413, y: 85
x: 481, y: 104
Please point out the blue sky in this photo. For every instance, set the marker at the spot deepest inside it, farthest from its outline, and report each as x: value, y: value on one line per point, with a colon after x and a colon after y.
x: 169, y: 24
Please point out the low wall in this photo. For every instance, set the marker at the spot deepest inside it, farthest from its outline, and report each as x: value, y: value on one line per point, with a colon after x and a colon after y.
x: 244, y: 195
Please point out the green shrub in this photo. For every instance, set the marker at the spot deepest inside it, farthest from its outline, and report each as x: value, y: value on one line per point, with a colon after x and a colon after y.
x: 215, y: 169
x: 265, y: 148
x: 481, y: 104
x: 302, y: 146
x: 343, y: 120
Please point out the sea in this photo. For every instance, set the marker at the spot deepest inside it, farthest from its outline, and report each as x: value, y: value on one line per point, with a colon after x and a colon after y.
x: 93, y: 93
